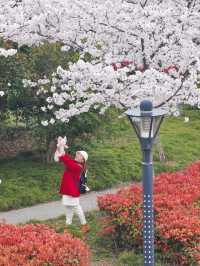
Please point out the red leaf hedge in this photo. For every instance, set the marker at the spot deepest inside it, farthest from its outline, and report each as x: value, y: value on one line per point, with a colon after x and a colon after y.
x: 38, y: 245
x: 177, y: 215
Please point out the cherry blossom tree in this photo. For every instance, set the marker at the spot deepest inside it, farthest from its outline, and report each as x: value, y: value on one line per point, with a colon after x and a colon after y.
x: 137, y: 49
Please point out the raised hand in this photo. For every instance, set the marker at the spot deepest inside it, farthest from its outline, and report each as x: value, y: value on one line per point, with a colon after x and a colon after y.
x: 62, y: 143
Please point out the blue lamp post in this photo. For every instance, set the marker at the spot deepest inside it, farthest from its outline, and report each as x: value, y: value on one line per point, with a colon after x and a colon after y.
x: 146, y: 121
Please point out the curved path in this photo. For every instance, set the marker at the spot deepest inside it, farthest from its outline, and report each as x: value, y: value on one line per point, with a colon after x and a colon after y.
x: 53, y: 209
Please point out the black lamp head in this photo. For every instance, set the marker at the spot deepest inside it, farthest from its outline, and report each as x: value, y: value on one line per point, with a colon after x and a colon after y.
x: 146, y: 106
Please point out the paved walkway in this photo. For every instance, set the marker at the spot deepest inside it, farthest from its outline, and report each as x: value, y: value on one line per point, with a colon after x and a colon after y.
x: 51, y: 210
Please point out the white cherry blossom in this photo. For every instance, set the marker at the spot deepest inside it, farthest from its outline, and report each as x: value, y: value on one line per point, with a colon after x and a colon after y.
x: 52, y: 121
x: 2, y: 93
x: 6, y: 53
x: 45, y: 123
x: 139, y: 49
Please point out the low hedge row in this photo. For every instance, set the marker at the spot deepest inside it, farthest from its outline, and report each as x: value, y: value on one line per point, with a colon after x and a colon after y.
x: 177, y: 216
x: 38, y: 245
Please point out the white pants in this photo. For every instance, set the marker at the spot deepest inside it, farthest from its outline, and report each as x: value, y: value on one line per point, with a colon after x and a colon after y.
x: 70, y: 212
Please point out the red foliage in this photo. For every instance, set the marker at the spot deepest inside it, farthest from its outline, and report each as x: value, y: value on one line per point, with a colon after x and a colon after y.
x: 177, y: 215
x: 38, y: 245
x: 125, y: 63
x: 122, y: 64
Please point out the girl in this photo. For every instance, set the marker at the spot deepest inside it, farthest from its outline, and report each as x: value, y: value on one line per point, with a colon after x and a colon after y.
x: 69, y: 187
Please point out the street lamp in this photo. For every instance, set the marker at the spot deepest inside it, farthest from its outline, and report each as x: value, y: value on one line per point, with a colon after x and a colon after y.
x: 146, y: 121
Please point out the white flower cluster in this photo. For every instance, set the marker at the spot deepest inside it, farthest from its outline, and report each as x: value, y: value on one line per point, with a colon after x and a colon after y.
x: 2, y: 93
x: 28, y: 83
x: 6, y: 53
x: 160, y: 38
x: 44, y: 81
x: 45, y: 123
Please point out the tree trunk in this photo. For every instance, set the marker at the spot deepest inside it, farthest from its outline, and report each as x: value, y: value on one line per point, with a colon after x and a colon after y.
x: 160, y: 149
x: 16, y: 119
x: 50, y: 151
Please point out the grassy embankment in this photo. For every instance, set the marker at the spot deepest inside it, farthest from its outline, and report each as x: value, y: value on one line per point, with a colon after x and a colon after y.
x: 114, y: 157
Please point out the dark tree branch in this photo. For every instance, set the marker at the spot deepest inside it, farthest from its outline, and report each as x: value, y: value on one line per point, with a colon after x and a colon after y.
x: 124, y: 107
x: 144, y: 59
x: 143, y: 5
x: 185, y: 75
x: 191, y: 3
x: 118, y: 29
x: 161, y: 45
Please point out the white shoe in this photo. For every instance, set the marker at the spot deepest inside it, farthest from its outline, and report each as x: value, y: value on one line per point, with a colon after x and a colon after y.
x: 87, y: 188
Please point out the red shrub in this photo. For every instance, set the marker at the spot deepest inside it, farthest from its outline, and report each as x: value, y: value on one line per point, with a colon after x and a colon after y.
x: 177, y: 215
x: 38, y: 245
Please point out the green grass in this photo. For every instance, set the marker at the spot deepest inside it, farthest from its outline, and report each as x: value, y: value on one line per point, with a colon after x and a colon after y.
x: 102, y: 249
x: 25, y: 182
x: 117, y: 154
x: 114, y: 157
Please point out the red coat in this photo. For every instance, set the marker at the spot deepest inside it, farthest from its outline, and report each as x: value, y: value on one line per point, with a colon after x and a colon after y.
x: 71, y: 177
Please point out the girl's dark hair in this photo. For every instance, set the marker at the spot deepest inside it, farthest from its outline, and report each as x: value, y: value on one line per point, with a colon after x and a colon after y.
x: 84, y: 165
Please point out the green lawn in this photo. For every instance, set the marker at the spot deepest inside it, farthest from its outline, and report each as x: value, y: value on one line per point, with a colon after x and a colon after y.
x: 114, y: 157
x: 25, y: 182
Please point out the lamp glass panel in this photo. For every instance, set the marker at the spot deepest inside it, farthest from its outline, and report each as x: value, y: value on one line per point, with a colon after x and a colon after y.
x: 146, y: 127
x: 156, y: 124
x: 137, y: 122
